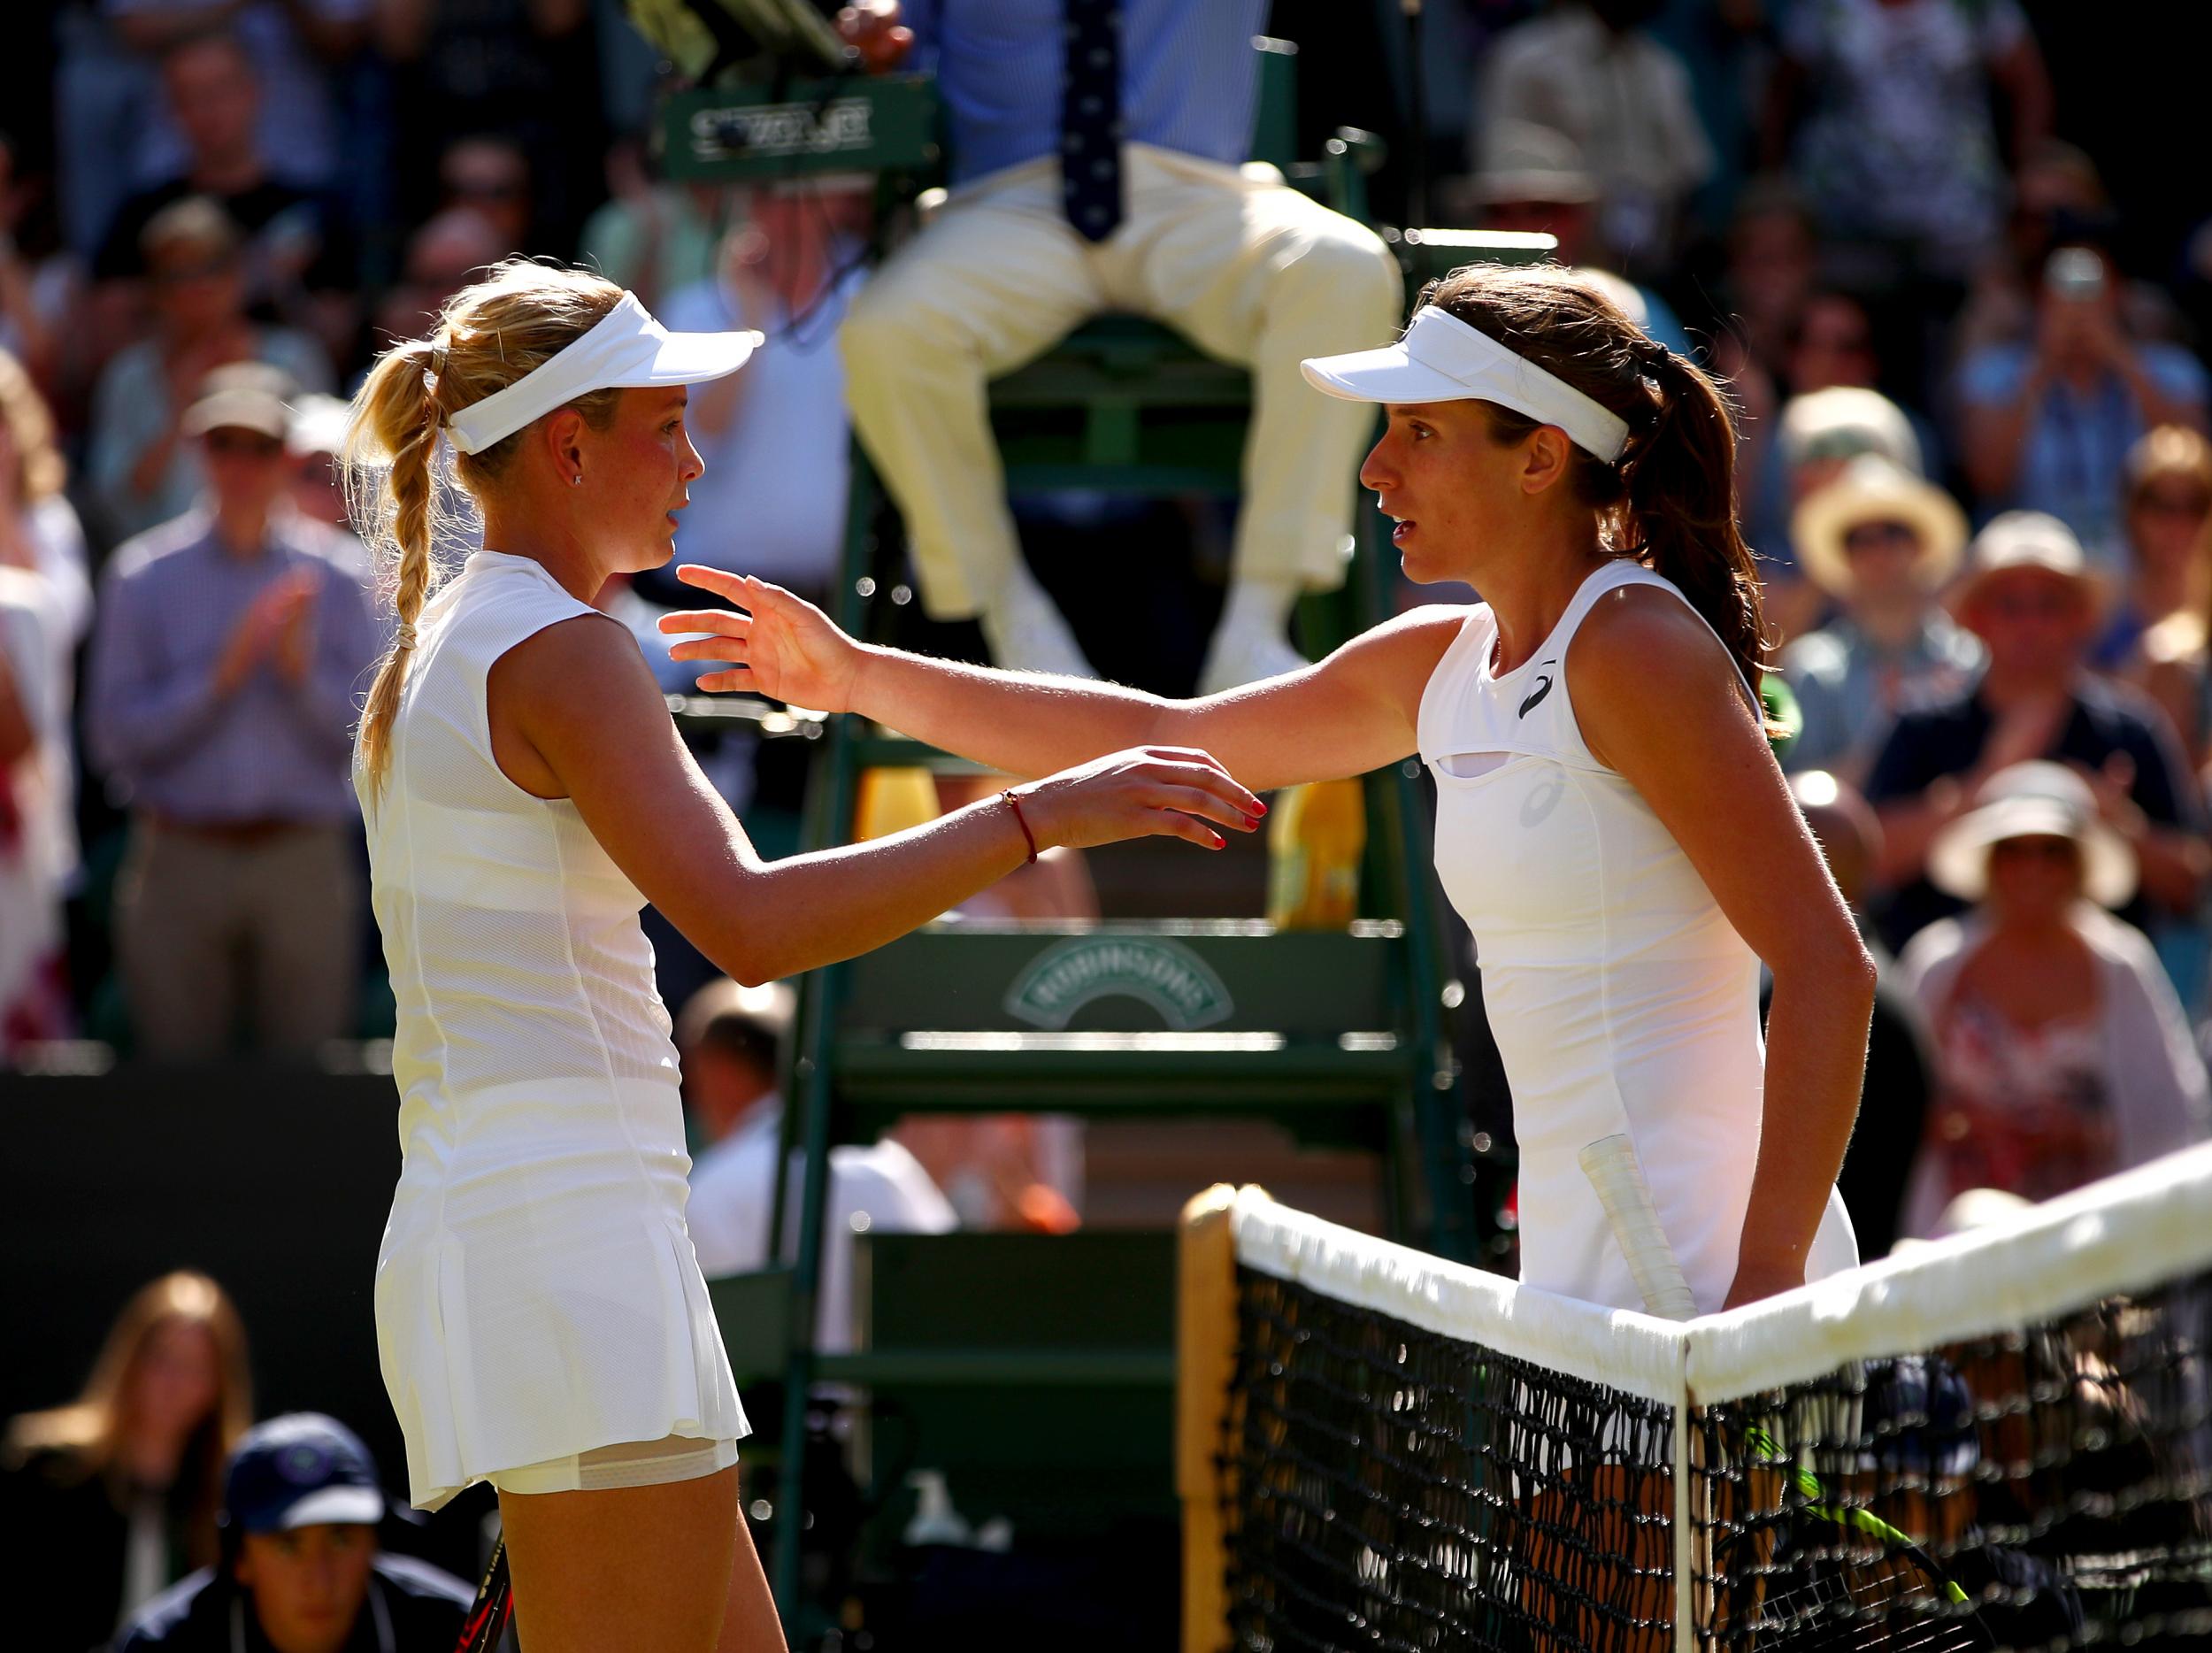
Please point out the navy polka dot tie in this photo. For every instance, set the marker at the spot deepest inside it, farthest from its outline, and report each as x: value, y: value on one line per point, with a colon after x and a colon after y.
x: 1090, y: 117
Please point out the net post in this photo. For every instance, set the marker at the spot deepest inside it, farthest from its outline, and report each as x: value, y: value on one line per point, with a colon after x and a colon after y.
x: 1205, y: 1363
x: 1685, y: 1536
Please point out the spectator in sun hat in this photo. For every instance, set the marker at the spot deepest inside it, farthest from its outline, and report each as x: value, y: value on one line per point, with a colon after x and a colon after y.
x: 2062, y: 1052
x: 1880, y: 542
x: 2029, y: 596
x: 1806, y: 447
x: 301, y: 1570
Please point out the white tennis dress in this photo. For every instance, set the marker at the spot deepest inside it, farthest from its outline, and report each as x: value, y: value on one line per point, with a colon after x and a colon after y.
x: 536, y: 1294
x: 1620, y: 997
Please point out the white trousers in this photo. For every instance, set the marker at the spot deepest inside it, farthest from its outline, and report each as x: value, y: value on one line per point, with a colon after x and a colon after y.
x: 1246, y: 268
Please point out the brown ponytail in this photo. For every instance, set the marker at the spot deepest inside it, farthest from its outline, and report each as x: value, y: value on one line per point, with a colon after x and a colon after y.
x: 1669, y: 501
x: 489, y: 336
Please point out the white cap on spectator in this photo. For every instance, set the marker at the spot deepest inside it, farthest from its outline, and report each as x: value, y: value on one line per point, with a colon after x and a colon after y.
x: 245, y: 396
x: 2027, y: 539
x: 2032, y: 800
x: 1441, y: 358
x: 1844, y: 421
x: 626, y: 348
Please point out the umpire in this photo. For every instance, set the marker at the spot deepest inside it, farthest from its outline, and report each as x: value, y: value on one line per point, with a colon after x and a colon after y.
x: 300, y: 1571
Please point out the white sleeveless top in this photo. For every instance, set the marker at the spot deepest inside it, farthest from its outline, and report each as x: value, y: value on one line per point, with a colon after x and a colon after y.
x: 536, y: 1293
x: 1620, y: 998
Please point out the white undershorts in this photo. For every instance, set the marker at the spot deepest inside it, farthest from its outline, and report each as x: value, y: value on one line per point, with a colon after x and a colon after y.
x: 630, y: 1464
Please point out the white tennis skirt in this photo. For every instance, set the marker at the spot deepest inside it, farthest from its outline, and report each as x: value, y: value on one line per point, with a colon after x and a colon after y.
x: 521, y: 1319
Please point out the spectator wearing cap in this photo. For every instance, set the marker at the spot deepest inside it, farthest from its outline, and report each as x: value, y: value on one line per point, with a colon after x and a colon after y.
x: 141, y: 468
x: 226, y: 654
x: 1880, y: 542
x: 301, y: 1570
x: 2029, y: 596
x: 1590, y: 69
x: 2047, y: 424
x: 729, y: 1039
x: 2062, y: 1053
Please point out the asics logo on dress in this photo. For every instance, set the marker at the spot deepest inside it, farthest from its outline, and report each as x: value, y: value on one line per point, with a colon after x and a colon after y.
x: 1543, y: 688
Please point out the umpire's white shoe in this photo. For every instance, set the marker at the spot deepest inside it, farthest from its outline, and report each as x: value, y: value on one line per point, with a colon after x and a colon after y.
x: 1027, y: 633
x: 1242, y: 652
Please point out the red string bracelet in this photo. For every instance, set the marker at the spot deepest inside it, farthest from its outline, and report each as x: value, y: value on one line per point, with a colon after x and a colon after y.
x: 1023, y: 822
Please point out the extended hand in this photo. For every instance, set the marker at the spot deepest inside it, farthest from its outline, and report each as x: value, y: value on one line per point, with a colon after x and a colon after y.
x: 1152, y: 791
x: 782, y: 647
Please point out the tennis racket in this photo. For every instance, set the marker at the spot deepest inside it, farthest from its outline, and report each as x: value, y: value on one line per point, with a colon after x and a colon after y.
x: 495, y: 1605
x: 1859, y: 1584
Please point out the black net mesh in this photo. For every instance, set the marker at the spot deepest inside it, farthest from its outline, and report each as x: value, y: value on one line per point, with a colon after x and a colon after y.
x: 1389, y: 1488
x: 2042, y: 1488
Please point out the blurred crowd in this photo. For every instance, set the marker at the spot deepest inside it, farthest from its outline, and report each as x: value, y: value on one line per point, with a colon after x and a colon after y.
x: 1909, y: 234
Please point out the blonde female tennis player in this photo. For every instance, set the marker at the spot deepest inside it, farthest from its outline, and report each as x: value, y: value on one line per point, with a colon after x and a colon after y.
x: 1610, y: 821
x: 541, y: 1319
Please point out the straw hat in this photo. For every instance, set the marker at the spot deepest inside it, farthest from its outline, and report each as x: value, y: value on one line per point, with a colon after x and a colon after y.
x: 2032, y: 800
x: 1872, y: 489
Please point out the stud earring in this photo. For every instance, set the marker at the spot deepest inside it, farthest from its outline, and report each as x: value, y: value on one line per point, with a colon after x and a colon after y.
x: 576, y: 480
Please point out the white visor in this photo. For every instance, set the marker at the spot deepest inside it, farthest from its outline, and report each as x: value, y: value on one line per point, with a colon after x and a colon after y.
x: 627, y: 347
x: 1441, y: 358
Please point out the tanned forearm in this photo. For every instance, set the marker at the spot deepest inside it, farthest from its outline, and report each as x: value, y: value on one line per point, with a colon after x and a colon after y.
x: 1817, y: 1032
x: 820, y: 907
x: 1008, y: 720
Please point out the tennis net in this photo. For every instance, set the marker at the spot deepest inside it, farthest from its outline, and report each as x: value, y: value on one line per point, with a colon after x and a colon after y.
x: 2003, y: 1440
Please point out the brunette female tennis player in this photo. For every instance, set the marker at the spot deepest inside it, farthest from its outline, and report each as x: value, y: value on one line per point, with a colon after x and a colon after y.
x: 1610, y: 821
x: 541, y: 1317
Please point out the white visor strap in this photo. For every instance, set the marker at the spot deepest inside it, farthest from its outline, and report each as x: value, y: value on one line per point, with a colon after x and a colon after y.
x: 625, y: 347
x: 1441, y: 358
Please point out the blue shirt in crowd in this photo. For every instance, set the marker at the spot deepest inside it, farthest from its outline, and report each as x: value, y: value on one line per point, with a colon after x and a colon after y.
x: 2073, y: 459
x: 1189, y: 76
x: 154, y: 722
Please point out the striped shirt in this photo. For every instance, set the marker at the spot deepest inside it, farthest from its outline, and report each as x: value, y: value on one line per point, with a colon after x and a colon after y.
x: 1189, y: 76
x: 154, y: 722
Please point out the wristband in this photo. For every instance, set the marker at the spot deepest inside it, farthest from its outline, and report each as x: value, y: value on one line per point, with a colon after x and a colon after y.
x: 1023, y: 822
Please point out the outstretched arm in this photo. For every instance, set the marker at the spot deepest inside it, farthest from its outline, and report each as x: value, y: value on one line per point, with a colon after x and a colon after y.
x: 1658, y: 700
x: 1353, y: 712
x: 574, y: 713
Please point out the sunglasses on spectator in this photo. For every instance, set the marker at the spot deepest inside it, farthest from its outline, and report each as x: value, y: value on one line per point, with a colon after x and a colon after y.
x: 2168, y: 501
x: 2054, y: 604
x: 244, y: 444
x: 201, y: 269
x: 1868, y: 536
x: 2037, y: 849
x: 484, y: 189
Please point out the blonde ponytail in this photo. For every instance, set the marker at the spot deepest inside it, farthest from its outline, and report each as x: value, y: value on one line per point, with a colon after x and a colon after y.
x: 489, y: 336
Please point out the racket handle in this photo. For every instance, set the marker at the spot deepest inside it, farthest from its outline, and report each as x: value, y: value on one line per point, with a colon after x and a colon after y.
x: 1610, y: 1164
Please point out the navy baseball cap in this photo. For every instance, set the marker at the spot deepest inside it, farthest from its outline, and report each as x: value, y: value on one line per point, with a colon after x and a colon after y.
x: 300, y: 1470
